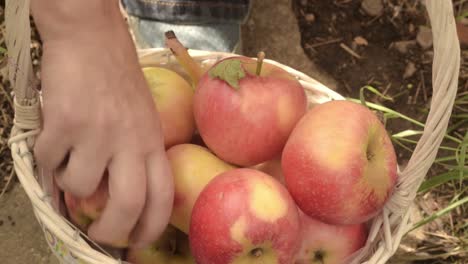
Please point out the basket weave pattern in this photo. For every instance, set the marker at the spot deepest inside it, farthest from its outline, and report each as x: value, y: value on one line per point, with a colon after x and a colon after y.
x: 387, y: 229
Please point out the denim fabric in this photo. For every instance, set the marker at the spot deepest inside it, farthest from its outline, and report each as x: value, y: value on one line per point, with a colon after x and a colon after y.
x: 189, y: 11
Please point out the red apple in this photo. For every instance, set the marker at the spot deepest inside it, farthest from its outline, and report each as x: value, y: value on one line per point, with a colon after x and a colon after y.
x: 173, y: 97
x: 245, y: 118
x: 329, y: 244
x: 192, y: 167
x: 244, y: 216
x: 339, y: 163
x: 172, y: 247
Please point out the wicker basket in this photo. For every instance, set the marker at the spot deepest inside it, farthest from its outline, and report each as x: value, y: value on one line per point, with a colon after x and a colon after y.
x: 387, y: 229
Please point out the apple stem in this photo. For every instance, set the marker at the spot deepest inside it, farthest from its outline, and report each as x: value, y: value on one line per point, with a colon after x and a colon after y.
x: 183, y: 57
x: 260, y: 57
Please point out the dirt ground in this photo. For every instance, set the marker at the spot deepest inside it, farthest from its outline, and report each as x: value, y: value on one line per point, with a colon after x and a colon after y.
x: 335, y: 42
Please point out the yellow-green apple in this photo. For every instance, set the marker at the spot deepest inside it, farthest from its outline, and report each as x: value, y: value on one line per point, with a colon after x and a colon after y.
x: 192, y: 167
x: 173, y: 97
x: 339, y: 163
x: 245, y: 116
x: 244, y: 216
x: 329, y: 244
x: 172, y: 247
x: 244, y: 109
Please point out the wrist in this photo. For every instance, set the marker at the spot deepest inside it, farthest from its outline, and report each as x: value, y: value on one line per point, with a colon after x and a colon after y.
x: 59, y: 20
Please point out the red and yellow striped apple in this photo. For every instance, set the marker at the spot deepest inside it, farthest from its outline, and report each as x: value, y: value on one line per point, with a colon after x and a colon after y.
x: 244, y: 216
x: 193, y: 167
x: 173, y: 97
x: 243, y: 116
x: 339, y: 163
x: 172, y: 247
x: 329, y: 244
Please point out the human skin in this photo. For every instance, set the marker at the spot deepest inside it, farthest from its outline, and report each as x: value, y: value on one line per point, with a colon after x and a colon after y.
x: 98, y: 114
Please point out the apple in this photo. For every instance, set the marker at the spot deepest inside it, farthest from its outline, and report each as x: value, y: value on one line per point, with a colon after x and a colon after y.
x: 244, y: 109
x: 339, y: 163
x: 83, y: 211
x: 172, y: 247
x: 244, y: 216
x: 246, y: 117
x: 329, y: 244
x: 192, y: 167
x: 272, y: 168
x: 173, y: 97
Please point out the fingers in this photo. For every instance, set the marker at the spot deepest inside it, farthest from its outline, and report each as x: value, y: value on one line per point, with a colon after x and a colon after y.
x: 127, y: 185
x: 51, y: 150
x: 159, y: 201
x: 84, y: 170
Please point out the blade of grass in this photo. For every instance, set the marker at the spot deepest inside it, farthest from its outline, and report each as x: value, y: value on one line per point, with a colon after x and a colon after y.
x: 456, y: 125
x: 441, y: 179
x: 388, y: 110
x: 409, y: 119
x: 448, y: 158
x: 408, y: 133
x: 439, y: 213
x: 374, y: 91
x: 397, y: 141
x: 462, y: 156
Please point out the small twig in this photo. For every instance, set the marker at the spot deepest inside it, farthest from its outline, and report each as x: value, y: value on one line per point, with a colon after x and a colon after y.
x: 348, y: 88
x: 350, y: 51
x: 423, y: 85
x: 387, y: 88
x: 324, y: 43
x: 8, y: 182
x: 370, y: 22
x: 417, y: 93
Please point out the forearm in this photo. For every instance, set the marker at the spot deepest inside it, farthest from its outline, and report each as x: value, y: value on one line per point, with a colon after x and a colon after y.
x: 67, y: 18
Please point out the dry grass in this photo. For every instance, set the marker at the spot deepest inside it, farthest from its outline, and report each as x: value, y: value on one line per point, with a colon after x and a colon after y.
x: 6, y: 115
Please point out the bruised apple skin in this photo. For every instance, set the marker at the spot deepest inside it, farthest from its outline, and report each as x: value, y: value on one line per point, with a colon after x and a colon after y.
x: 339, y: 163
x: 192, y: 167
x: 329, y: 244
x: 173, y: 97
x: 243, y: 117
x: 244, y: 216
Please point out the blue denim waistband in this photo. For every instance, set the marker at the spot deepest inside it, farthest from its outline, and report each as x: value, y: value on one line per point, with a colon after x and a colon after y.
x: 186, y: 11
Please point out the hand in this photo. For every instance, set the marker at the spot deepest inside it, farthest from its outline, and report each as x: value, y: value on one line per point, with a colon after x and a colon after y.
x: 98, y: 115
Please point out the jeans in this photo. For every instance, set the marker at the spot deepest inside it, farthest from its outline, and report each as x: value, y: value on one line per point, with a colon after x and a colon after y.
x: 189, y: 11
x: 199, y: 24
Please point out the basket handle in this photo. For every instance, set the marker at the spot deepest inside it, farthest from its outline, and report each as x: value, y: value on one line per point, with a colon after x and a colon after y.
x: 18, y: 41
x: 445, y: 73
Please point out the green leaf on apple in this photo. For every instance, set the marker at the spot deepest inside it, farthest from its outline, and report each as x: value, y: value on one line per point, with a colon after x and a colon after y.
x: 230, y: 71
